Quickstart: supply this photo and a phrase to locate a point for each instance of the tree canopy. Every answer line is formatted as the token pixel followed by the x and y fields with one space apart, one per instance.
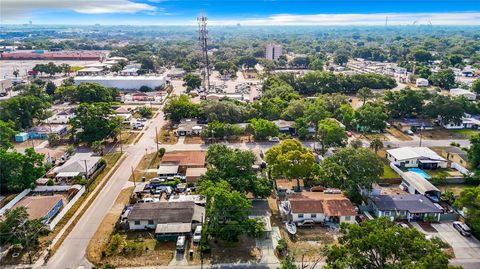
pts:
pixel 380 243
pixel 178 108
pixel 93 122
pixel 20 171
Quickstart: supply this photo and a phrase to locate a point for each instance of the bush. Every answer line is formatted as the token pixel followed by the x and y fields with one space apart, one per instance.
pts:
pixel 53 140
pixel 145 89
pixel 430 219
pixel 282 247
pixel 116 245
pixel 161 152
pixel 132 249
pixel 50 182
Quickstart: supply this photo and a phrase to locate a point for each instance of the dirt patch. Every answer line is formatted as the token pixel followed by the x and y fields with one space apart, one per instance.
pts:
pixel 100 239
pixel 194 140
pixel 399 134
pixel 166 136
pixel 373 136
pixel 427 227
pixel 241 252
pixel 129 137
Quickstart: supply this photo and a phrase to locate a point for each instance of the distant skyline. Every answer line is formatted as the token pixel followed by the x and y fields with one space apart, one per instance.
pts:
pixel 246 12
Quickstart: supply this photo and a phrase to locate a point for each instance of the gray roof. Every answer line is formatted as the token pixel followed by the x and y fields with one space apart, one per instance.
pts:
pixel 413 203
pixel 168 228
pixel 419 182
pixel 260 208
pixel 165 212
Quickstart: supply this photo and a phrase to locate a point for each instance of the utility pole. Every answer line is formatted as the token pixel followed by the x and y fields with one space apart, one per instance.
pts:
pixel 202 40
pixel 421 135
pixel 201 251
pixel 156 137
pixel 120 140
pixel 133 176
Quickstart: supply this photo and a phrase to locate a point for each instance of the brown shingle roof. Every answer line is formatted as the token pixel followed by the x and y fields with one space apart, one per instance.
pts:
pixel 319 202
pixel 306 206
pixel 185 158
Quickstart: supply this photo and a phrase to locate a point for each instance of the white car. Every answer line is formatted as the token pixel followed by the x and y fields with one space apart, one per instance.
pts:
pixel 197 235
pixel 274 139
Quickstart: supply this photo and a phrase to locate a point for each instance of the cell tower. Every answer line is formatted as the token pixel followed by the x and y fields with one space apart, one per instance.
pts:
pixel 202 39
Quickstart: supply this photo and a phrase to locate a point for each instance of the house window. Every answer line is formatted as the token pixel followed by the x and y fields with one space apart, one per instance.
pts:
pixel 150 222
pixel 313 216
pixel 347 218
pixel 300 216
pixel 137 222
pixel 386 213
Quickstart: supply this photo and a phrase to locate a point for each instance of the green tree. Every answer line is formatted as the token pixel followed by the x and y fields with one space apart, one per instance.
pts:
pixel 449 110
pixel 291 160
pixel 301 126
pixel 475 87
pixel 220 130
pixel 54 139
pixel 406 102
pixel 444 78
pixel 263 128
pixel 341 57
pixel 93 122
pixel 50 88
pixel 145 112
pixel 98 147
pixel 316 64
pixel 224 110
pixel 364 94
pixel 178 108
pixel 330 134
pixel 350 168
pixel 94 93
pixel 247 61
pixel 20 171
pixel 227 211
pixel 371 117
pixel 474 152
pixel 421 56
pixel 376 144
pixel 380 243
pixel 192 81
pixel 23 110
pixel 470 199
pixel 295 109
pixel 17 229
pixel 346 115
pixel 235 167
pixel 7 132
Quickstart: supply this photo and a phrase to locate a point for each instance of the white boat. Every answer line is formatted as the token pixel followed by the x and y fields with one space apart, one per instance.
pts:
pixel 285 207
pixel 291 227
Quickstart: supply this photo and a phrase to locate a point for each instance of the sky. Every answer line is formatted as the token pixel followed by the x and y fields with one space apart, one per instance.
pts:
pixel 244 12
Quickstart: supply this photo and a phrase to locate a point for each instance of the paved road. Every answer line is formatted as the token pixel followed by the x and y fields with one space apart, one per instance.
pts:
pixel 72 252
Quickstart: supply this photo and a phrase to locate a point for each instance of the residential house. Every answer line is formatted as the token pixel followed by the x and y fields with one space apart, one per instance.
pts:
pixel 455 155
pixel 321 207
pixel 188 127
pixel 193 174
pixel 285 126
pixel 168 219
pixel 167 170
pixel 469 95
pixel 196 198
pixel 42 131
pixel 410 207
pixel 79 164
pixel 61 117
pixel 415 183
pixel 421 82
pixel 421 157
pixel 41 207
pixel 181 161
pixel 468 122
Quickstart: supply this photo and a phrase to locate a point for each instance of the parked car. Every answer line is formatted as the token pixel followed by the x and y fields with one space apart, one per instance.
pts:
pixel 197 235
pixel 409 132
pixel 462 228
pixel 349 134
pixel 306 223
pixel 274 139
pixel 180 246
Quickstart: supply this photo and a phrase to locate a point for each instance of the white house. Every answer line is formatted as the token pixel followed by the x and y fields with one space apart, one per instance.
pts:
pixel 457 92
pixel 321 207
pixel 422 157
pixel 61 117
pixel 468 122
pixel 421 82
pixel 79 164
pixel 415 183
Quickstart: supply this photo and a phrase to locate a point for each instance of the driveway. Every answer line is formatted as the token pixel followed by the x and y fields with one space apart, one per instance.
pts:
pixel 465 248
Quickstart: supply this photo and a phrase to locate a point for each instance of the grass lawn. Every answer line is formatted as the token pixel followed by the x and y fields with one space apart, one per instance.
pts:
pixel 101 237
pixel 166 136
pixel 455 188
pixel 128 137
pixel 466 133
pixel 398 134
pixel 388 172
pixel 373 136
pixel 149 161
pixel 441 133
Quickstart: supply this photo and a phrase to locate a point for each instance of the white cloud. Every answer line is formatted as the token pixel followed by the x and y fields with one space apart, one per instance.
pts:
pixel 466 18
pixel 11 9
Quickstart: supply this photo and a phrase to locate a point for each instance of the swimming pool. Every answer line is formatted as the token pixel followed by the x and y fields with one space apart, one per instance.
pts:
pixel 420 172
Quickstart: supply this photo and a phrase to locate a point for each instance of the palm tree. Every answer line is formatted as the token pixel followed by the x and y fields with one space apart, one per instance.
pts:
pixel 376 145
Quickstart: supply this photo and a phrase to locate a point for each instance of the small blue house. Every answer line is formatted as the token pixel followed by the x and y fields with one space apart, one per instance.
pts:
pixel 42 132
pixel 21 137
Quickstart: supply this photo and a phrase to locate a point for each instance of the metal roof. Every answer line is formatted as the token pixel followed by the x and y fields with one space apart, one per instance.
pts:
pixel 413 203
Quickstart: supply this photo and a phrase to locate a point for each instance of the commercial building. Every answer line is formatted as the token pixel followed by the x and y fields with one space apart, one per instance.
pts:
pixel 124 82
pixel 55 56
pixel 273 51
pixel 41 207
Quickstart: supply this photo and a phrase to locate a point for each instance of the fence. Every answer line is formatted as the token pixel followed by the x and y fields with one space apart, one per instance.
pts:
pixel 65 209
pixel 14 201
